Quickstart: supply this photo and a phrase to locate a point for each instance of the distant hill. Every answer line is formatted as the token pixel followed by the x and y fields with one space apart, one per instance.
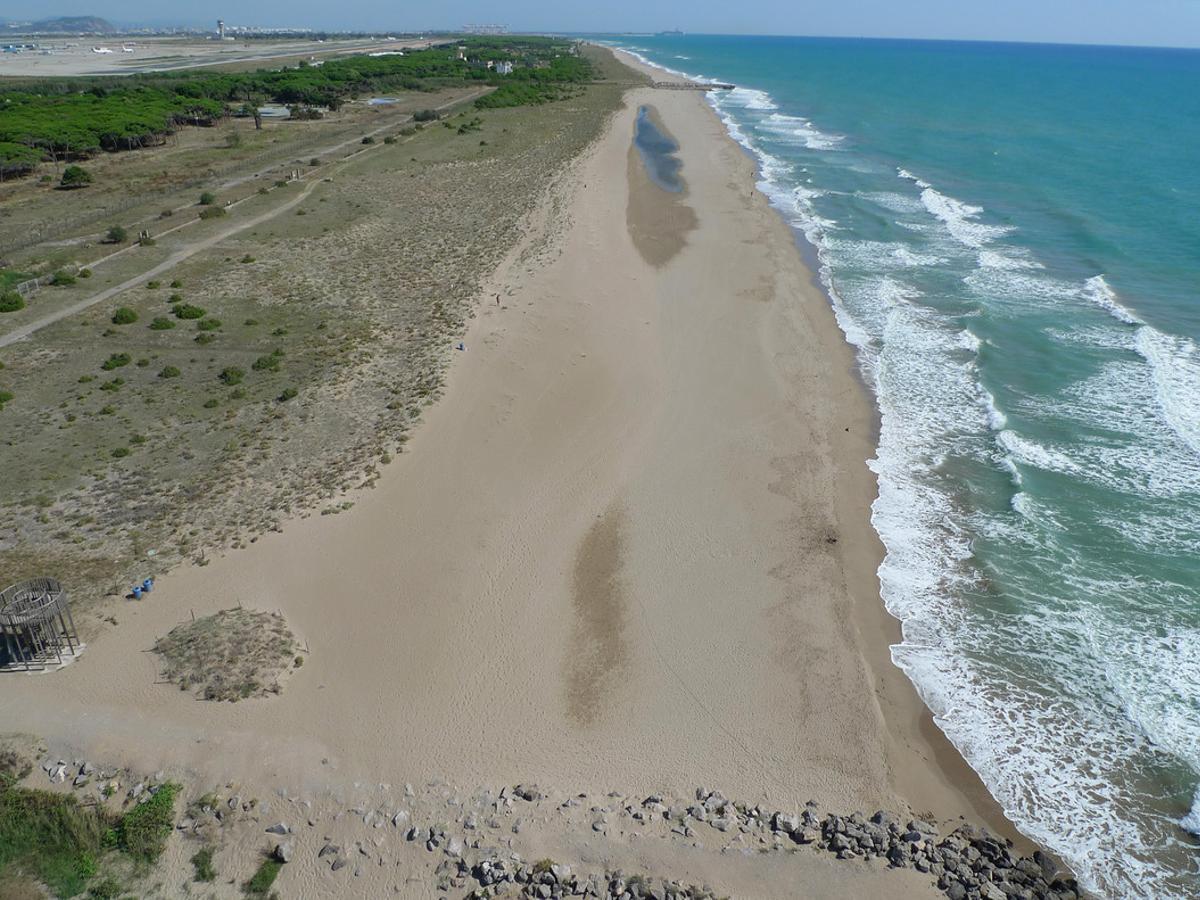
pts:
pixel 67 25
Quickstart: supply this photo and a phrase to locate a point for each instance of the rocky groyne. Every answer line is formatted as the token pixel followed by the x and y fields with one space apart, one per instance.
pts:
pixel 525 841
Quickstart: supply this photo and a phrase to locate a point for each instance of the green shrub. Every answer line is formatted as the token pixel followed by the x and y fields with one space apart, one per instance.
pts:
pixel 143 831
pixel 85 273
pixel 288 394
pixel 75 177
pixel 143 362
pixel 212 212
pixel 116 235
pixel 124 316
pixel 202 862
pixel 175 298
pixel 187 311
pixel 368 140
pixel 120 453
pixel 389 140
pixel 11 301
pixel 136 439
pixel 204 338
pixel 208 324
pixel 116 361
pixel 247 258
pixel 153 285
pixel 426 115
pixel 176 283
pixel 108 410
pixel 314 162
pixel 5 397
pixel 84 379
pixel 208 198
pixel 106 889
pixel 266 364
pixel 51 836
pixel 113 386
pixel 261 882
pixel 62 278
pixel 169 372
pixel 232 375
pixel 211 403
pixel 161 323
pixel 146 241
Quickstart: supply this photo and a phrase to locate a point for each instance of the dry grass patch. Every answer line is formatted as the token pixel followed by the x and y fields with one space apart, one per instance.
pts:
pixel 230 655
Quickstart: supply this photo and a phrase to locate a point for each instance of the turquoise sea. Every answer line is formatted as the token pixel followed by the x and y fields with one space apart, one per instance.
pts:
pixel 1010 237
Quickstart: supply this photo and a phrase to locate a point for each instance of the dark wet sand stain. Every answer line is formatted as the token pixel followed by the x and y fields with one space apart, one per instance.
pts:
pixel 658 220
pixel 598 643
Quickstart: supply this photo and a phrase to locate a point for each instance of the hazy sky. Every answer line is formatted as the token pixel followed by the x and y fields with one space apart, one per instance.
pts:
pixel 1152 22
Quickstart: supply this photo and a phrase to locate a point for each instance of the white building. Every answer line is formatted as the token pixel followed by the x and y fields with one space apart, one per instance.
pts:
pixel 504 68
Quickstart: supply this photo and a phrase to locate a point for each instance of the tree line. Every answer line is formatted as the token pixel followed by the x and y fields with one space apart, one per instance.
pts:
pixel 70 119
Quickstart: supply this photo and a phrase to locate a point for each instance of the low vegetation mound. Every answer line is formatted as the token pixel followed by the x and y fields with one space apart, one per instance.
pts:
pixel 230 655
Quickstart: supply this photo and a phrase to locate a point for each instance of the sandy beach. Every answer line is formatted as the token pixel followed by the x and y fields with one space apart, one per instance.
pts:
pixel 628 548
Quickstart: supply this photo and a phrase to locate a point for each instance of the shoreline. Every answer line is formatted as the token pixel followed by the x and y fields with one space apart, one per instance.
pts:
pixel 907 715
pixel 627 549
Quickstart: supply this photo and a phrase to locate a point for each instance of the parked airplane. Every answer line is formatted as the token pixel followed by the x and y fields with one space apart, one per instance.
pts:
pixel 101 50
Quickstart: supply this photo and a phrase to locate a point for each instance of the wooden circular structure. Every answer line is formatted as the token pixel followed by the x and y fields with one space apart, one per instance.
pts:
pixel 37 627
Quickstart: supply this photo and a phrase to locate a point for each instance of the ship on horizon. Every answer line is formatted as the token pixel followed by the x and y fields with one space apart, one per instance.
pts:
pixel 674 32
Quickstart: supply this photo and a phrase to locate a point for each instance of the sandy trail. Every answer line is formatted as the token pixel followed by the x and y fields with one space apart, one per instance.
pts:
pixel 629 547
pixel 191 248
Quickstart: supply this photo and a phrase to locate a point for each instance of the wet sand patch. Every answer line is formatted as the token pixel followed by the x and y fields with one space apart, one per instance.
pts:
pixel 598 648
pixel 658 216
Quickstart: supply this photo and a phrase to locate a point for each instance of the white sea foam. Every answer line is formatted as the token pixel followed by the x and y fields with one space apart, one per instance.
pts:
pixel 961 219
pixel 997 420
pixel 909 176
pixel 1175 367
pixel 1099 292
pixel 894 201
pixel 638 54
pixel 749 98
pixel 1010 258
pixel 1191 822
pixel 794 129
pixel 1047 744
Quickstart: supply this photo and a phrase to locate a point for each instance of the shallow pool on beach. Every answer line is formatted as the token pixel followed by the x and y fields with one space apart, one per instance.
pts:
pixel 658 152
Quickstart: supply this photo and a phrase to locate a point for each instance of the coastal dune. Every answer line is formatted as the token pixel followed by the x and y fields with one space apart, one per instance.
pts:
pixel 629 547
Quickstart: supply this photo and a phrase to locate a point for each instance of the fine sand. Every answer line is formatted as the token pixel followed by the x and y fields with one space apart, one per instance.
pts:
pixel 629 547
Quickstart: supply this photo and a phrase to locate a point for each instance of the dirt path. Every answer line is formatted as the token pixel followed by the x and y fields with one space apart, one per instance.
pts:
pixel 187 250
pixel 191 249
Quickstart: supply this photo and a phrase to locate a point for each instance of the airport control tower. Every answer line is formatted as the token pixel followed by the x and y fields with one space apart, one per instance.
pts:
pixel 221 29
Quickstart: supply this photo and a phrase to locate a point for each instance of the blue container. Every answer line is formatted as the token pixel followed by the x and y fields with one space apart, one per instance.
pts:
pixel 148 585
pixel 137 593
